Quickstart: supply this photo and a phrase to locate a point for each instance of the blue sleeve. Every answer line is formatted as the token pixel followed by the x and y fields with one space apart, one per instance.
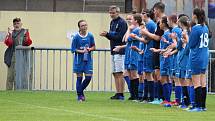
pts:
pixel 135 31
pixel 74 44
pixel 118 35
pixel 169 39
pixel 152 28
pixel 193 39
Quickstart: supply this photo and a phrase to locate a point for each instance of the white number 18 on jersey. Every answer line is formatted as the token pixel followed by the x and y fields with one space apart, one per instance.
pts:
pixel 204 40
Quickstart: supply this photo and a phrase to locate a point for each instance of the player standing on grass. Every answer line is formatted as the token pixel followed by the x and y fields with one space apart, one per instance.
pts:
pixel 131 54
pixel 184 60
pixel 176 33
pixel 147 16
pixel 158 9
pixel 141 62
pixel 198 43
pixel 141 74
pixel 164 62
pixel 82 45
pixel 118 48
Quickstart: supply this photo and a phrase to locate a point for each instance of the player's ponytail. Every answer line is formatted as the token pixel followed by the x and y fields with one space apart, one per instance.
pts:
pixel 200 14
pixel 184 20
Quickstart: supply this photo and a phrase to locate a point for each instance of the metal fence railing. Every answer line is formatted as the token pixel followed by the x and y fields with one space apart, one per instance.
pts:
pixel 211 72
pixel 49 68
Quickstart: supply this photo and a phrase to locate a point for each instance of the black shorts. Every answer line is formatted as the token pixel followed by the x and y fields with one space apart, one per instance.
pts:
pixel 156 61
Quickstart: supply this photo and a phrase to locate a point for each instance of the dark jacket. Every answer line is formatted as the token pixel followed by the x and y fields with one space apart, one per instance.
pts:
pixel 118 28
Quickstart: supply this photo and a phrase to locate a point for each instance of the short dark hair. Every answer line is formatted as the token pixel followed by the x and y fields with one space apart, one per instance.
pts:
pixel 160 6
pixel 16 20
pixel 200 14
pixel 80 22
pixel 138 18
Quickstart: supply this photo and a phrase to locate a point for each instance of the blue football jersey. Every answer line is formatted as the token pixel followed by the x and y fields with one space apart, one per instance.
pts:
pixel 80 43
pixel 165 62
pixel 198 43
pixel 151 26
pixel 173 58
pixel 131 56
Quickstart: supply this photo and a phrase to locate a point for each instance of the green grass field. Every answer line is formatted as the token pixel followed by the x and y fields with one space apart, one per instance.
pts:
pixel 62 106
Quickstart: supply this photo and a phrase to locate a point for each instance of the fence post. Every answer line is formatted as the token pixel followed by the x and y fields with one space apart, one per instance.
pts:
pixel 24 67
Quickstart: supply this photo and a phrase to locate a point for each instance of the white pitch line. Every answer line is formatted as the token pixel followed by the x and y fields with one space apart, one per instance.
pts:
pixel 70 111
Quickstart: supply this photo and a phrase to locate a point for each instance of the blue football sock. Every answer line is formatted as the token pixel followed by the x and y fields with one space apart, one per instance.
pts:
pixel 182 97
pixel 146 88
pixel 156 86
pixel 166 92
pixel 160 91
pixel 78 86
pixel 178 91
pixel 151 90
pixel 170 90
pixel 192 95
pixel 140 90
pixel 85 82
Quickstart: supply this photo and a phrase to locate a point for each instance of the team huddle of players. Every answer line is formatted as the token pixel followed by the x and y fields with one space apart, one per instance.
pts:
pixel 159 50
pixel 163 49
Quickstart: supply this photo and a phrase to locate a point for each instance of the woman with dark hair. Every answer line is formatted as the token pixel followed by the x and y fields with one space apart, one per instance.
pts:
pixel 176 36
pixel 182 59
pixel 198 43
pixel 150 83
pixel 164 62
